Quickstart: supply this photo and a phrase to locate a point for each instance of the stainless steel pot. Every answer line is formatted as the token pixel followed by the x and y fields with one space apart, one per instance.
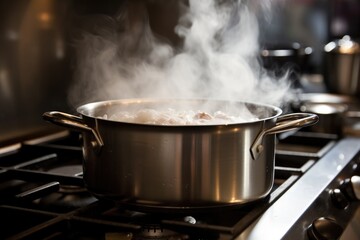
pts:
pixel 291 59
pixel 337 113
pixel 179 166
pixel 331 117
pixel 279 56
pixel 342 66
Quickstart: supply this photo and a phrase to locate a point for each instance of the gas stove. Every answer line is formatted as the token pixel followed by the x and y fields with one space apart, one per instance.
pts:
pixel 43 196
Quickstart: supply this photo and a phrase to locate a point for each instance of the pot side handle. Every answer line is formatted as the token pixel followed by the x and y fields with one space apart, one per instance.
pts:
pixel 284 123
pixel 75 123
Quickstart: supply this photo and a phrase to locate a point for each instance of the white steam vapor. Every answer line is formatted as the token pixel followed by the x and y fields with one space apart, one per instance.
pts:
pixel 219 59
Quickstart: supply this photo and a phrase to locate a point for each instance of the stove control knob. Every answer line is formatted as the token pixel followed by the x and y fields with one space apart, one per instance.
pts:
pixel 339 199
pixel 325 229
pixel 351 187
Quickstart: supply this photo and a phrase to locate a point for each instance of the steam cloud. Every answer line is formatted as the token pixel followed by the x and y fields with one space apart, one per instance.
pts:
pixel 219 59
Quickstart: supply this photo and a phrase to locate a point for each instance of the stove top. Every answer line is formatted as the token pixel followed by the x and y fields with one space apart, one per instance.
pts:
pixel 43 195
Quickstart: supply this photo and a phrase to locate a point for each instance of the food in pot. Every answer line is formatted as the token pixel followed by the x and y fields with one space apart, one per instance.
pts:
pixel 173 117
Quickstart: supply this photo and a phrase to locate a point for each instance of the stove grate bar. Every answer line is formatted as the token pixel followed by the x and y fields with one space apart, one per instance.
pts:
pixel 36 161
pixel 38 192
pixel 106 223
pixel 29 210
pixel 244 221
pixel 29 175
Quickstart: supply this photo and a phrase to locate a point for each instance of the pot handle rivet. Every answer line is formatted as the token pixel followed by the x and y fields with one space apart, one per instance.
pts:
pixel 259 148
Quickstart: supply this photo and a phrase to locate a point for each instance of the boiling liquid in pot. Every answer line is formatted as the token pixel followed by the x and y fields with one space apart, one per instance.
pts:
pixel 173 117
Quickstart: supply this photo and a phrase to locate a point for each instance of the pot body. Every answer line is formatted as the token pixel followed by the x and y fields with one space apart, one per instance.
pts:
pixel 343 74
pixel 337 113
pixel 342 70
pixel 331 117
pixel 180 166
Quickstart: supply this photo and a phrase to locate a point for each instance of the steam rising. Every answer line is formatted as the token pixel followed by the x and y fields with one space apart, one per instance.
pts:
pixel 219 58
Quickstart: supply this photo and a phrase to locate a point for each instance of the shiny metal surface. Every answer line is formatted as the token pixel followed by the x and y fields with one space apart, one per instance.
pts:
pixel 330 117
pixel 284 123
pixel 327 98
pixel 338 114
pixel 179 165
pixel 342 59
pixel 355 181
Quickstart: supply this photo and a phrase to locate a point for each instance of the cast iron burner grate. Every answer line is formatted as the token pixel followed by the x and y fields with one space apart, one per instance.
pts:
pixel 43 196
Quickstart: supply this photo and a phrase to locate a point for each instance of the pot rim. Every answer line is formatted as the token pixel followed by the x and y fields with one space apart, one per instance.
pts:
pixel 87 110
pixel 343 46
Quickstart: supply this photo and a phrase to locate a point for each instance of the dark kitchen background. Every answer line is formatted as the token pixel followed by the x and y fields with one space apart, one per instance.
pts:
pixel 38 46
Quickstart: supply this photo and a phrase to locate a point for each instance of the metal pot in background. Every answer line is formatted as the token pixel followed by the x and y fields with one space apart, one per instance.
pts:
pixel 286 58
pixel 342 66
pixel 338 114
pixel 330 116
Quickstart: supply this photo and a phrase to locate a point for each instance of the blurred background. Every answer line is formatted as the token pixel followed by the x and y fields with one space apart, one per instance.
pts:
pixel 38 46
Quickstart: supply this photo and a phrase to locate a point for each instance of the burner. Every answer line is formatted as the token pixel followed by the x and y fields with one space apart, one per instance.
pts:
pixel 67 198
pixel 67 189
pixel 156 231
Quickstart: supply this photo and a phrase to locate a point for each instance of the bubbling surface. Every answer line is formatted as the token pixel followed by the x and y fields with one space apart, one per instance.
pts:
pixel 174 117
